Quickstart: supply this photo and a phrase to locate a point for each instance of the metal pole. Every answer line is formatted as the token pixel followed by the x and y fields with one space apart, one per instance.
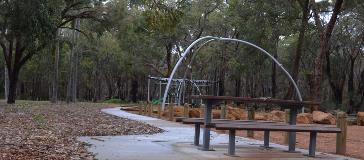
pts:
pixel 231 149
pixel 312 145
pixel 197 135
pixel 217 88
pixel 160 90
pixel 266 139
pixel 148 90
pixel 207 121
pixel 189 66
pixel 177 65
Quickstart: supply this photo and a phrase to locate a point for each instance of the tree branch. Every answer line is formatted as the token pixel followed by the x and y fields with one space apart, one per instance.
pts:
pixel 78 30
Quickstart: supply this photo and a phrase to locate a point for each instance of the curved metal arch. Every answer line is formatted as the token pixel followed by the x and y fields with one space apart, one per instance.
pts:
pixel 189 66
pixel 187 51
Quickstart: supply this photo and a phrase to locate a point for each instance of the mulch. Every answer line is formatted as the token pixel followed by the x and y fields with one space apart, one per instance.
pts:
pixel 40 130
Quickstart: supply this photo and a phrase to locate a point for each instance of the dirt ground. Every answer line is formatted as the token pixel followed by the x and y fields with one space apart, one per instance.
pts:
pixel 40 130
pixel 326 142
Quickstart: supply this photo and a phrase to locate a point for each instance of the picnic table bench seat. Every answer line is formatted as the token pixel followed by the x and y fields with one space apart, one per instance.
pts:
pixel 200 121
pixel 266 127
pixel 232 126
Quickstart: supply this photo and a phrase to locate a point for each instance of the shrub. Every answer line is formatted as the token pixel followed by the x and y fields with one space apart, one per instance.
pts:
pixel 115 101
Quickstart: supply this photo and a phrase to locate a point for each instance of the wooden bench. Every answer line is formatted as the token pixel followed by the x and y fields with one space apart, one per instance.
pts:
pixel 313 129
pixel 210 101
pixel 179 119
pixel 199 121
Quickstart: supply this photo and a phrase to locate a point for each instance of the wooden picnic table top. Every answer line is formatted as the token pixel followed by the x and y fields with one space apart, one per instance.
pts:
pixel 263 127
pixel 255 100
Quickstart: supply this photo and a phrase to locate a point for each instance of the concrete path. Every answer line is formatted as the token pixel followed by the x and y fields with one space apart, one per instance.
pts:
pixel 176 143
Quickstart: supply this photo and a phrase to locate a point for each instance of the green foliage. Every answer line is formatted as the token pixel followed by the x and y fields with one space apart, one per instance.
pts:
pixel 115 101
pixel 137 38
pixel 156 101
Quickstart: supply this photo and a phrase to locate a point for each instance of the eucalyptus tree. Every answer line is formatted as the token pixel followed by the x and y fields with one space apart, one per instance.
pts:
pixel 345 52
pixel 305 9
pixel 325 33
pixel 27 27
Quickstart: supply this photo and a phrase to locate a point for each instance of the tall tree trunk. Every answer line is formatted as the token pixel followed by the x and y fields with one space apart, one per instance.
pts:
pixel 13 79
pixel 95 81
pixel 325 35
pixel 237 86
pixel 360 92
pixel 70 79
pixel 119 86
pixel 13 65
pixel 351 86
pixel 6 82
pixel 275 38
pixel 169 48
pixel 76 56
pixel 134 89
pixel 336 84
pixel 301 37
pixel 72 86
pixel 110 86
pixel 56 72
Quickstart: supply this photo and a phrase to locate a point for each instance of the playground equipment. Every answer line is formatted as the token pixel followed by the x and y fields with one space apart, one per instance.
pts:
pixel 209 39
pixel 179 85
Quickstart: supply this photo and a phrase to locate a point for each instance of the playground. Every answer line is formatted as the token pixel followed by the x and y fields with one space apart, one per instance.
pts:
pixel 326 143
pixel 181 79
pixel 58 131
pixel 238 113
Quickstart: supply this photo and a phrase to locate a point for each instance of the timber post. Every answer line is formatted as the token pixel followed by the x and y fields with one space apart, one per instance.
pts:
pixel 223 111
pixel 286 120
pixel 140 106
pixel 185 110
pixel 159 111
pixel 341 137
pixel 251 116
pixel 170 112
pixel 150 109
pixel 202 109
pixel 144 108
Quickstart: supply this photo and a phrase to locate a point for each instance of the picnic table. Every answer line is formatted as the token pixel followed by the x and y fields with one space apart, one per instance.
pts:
pixel 210 101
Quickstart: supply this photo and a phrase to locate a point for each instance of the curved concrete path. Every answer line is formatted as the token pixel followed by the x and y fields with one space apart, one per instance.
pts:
pixel 176 143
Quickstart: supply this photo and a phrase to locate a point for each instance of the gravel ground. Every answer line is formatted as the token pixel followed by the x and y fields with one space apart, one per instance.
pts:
pixel 40 130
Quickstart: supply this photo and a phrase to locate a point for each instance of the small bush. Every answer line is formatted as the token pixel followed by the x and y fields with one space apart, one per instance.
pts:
pixel 156 101
pixel 115 101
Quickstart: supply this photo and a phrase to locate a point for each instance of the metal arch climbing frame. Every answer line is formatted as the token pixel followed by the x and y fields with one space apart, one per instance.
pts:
pixel 210 38
pixel 189 66
pixel 177 82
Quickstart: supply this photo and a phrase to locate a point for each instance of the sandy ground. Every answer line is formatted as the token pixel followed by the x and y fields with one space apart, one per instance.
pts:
pixel 326 142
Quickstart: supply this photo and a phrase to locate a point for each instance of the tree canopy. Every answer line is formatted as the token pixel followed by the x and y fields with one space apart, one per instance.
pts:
pixel 92 50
